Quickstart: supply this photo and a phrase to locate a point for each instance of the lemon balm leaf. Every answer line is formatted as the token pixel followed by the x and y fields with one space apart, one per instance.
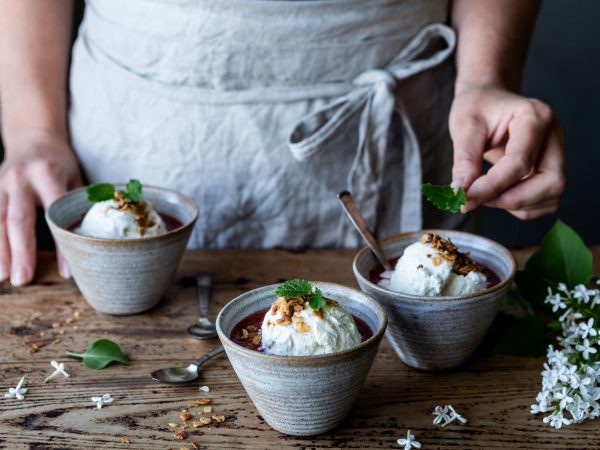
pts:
pixel 294 288
pixel 317 301
pixel 100 192
pixel 134 190
pixel 444 196
pixel 101 353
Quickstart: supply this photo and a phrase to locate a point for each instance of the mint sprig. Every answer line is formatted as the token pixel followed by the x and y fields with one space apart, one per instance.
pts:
pixel 134 191
pixel 100 192
pixel 302 288
pixel 444 197
pixel 100 354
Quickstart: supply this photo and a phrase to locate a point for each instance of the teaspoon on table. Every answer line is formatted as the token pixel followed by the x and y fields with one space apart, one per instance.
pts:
pixel 185 374
pixel 360 224
pixel 203 328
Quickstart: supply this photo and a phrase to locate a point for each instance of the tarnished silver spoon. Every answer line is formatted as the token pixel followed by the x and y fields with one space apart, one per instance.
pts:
pixel 359 222
pixel 185 374
pixel 203 328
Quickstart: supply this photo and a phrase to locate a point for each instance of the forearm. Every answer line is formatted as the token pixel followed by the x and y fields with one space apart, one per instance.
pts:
pixel 34 50
pixel 493 38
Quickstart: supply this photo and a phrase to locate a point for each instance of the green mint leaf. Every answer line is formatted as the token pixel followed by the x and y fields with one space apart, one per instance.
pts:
pixel 562 257
pixel 444 197
pixel 317 301
pixel 101 353
pixel 100 192
pixel 134 191
pixel 294 288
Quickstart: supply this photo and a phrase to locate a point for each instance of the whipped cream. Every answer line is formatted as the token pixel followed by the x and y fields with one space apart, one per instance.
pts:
pixel 107 220
pixel 293 328
pixel 434 267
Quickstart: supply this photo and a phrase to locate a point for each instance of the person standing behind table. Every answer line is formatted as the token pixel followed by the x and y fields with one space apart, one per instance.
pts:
pixel 263 110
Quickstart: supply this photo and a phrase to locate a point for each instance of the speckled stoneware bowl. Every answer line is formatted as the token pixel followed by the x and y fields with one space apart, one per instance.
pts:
pixel 122 276
pixel 303 395
pixel 433 333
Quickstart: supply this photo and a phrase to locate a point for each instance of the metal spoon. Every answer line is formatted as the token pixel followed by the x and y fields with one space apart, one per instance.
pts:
pixel 359 222
pixel 204 328
pixel 185 374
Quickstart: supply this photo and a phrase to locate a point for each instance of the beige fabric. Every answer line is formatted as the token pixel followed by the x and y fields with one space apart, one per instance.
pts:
pixel 223 99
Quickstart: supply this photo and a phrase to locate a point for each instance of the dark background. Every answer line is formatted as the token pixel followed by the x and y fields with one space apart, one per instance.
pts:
pixel 563 70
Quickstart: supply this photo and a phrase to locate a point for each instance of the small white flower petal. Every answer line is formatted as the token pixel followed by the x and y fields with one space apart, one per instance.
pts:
pixel 204 389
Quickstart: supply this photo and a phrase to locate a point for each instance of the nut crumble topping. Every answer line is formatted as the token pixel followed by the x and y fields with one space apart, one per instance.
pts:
pixel 462 264
pixel 139 209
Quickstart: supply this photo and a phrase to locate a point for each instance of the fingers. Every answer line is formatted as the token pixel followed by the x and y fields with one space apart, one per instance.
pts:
pixel 468 139
pixel 20 224
pixel 527 132
pixel 540 193
pixel 4 246
pixel 49 187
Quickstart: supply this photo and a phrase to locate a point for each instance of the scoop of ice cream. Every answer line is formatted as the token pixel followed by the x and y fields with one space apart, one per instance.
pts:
pixel 435 267
pixel 109 220
pixel 292 328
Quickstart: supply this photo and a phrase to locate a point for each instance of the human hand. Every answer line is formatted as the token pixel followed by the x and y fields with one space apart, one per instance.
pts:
pixel 522 140
pixel 37 169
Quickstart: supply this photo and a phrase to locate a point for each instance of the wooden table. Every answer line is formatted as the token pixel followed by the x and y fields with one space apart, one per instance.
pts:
pixel 494 392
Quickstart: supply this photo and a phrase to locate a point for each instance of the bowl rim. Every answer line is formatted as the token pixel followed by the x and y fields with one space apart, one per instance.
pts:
pixel 372 303
pixel 440 298
pixel 132 241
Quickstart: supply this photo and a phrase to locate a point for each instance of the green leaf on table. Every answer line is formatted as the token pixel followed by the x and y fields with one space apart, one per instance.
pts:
pixel 562 257
pixel 317 301
pixel 524 337
pixel 294 288
pixel 134 190
pixel 101 353
pixel 444 196
pixel 100 192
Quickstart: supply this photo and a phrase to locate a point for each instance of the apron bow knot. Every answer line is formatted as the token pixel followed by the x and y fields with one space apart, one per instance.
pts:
pixel 374 97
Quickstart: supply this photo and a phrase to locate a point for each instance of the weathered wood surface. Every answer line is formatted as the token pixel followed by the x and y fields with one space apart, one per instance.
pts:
pixel 494 392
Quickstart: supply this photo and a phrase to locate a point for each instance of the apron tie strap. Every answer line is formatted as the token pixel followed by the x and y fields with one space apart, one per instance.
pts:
pixel 374 97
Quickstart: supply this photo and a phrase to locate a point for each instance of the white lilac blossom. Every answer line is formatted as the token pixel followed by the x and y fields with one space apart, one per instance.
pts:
pixel 571 376
pixel 19 391
pixel 447 415
pixel 101 401
pixel 58 368
pixel 409 442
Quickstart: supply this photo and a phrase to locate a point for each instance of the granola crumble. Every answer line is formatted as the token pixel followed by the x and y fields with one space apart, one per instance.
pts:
pixel 445 249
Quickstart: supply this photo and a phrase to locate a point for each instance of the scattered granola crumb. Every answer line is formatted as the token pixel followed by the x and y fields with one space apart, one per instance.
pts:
pixel 180 435
pixel 208 409
pixel 173 424
pixel 185 416
pixel 56 341
pixel 125 440
pixel 218 419
pixel 203 401
pixel 201 422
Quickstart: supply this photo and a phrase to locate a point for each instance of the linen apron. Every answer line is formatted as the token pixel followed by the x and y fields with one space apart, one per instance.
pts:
pixel 263 111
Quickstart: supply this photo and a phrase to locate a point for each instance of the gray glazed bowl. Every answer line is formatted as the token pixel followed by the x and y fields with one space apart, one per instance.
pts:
pixel 122 276
pixel 303 395
pixel 434 333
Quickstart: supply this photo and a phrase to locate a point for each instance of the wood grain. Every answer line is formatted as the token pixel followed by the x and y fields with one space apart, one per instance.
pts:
pixel 494 392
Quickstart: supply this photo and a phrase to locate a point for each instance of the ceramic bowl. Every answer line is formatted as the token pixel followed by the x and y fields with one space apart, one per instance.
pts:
pixel 433 333
pixel 122 276
pixel 303 395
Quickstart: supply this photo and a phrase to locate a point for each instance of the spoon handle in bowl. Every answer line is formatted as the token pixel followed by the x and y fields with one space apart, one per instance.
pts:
pixel 360 224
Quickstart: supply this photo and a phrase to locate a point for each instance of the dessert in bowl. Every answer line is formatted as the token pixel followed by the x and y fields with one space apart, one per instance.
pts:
pixel 122 244
pixel 302 359
pixel 442 296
